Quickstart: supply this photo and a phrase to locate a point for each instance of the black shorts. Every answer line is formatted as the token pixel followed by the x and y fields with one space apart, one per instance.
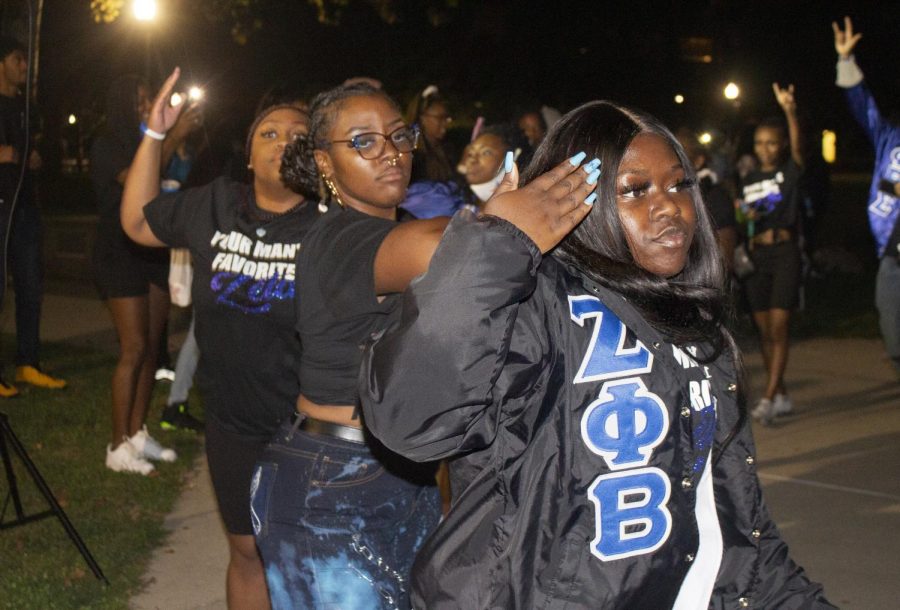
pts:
pixel 776 282
pixel 232 459
pixel 124 269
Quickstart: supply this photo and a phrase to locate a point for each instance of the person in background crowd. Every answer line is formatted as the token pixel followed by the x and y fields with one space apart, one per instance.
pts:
pixel 533 126
pixel 243 239
pixel 716 197
pixel 771 202
pixel 483 161
pixel 434 188
pixel 884 193
pixel 25 233
pixel 132 279
pixel 587 395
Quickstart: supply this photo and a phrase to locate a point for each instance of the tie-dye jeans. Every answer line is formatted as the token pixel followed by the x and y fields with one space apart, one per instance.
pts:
pixel 339 523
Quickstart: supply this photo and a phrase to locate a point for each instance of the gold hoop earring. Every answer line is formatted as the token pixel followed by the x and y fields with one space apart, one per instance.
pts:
pixel 334 192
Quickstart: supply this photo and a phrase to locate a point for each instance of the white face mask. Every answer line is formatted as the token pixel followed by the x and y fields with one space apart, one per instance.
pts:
pixel 485 190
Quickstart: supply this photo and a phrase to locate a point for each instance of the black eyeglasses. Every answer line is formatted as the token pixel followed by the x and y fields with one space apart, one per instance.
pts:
pixel 371 145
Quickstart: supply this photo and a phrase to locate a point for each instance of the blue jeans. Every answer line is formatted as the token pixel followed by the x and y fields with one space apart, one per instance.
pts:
pixel 338 524
pixel 887 300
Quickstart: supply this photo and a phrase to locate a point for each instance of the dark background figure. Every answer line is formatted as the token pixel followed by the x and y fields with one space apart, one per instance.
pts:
pixel 771 201
pixel 884 192
pixel 25 235
pixel 716 196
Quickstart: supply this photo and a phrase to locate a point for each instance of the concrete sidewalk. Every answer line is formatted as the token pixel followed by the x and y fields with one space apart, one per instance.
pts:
pixel 831 472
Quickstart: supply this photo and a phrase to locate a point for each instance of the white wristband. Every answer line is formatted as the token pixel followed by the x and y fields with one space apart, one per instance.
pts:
pixel 154 134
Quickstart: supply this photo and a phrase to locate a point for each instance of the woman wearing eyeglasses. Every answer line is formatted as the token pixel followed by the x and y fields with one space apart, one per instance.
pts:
pixel 338 518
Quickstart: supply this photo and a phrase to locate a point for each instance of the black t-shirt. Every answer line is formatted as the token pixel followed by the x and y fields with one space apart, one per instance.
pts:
pixel 109 156
pixel 243 294
pixel 775 195
pixel 719 204
pixel 336 302
pixel 12 133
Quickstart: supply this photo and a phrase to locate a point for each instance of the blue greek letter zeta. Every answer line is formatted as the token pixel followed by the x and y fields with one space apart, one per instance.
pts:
pixel 625 423
pixel 631 513
pixel 606 356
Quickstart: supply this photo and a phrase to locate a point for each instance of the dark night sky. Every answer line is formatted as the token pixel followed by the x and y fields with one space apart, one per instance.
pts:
pixel 499 53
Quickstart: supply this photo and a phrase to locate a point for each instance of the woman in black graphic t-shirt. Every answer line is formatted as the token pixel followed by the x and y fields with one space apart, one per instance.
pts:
pixel 771 200
pixel 243 240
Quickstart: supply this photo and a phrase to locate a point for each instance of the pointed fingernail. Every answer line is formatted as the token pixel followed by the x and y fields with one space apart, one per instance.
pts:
pixel 594 175
pixel 508 162
pixel 590 199
pixel 589 167
pixel 577 159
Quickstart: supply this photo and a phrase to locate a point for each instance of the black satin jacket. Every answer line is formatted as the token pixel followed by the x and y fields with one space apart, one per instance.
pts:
pixel 520 370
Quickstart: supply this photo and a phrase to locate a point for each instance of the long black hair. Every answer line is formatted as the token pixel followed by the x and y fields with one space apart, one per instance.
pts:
pixel 689 307
pixel 298 165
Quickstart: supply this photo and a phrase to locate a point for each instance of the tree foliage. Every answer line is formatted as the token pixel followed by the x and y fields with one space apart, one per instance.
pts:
pixel 248 16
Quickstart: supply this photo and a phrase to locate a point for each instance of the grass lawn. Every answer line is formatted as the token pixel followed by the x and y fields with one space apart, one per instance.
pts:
pixel 119 516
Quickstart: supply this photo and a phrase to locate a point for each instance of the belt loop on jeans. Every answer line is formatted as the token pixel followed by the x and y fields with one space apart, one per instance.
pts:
pixel 298 418
pixel 327 428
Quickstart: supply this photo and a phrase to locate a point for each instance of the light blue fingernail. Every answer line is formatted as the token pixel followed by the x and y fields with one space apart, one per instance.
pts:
pixel 590 199
pixel 589 167
pixel 577 159
pixel 508 162
pixel 592 178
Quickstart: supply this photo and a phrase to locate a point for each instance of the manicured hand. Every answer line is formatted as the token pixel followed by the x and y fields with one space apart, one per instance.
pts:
pixel 785 98
pixel 552 205
pixel 845 40
pixel 163 115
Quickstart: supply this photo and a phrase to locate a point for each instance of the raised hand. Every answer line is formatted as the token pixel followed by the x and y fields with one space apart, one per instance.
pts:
pixel 785 98
pixel 550 206
pixel 163 114
pixel 845 40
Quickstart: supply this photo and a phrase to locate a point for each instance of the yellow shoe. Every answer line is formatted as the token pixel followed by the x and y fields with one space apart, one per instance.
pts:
pixel 8 390
pixel 36 377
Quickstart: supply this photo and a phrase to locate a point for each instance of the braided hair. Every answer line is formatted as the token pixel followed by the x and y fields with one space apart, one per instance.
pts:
pixel 298 165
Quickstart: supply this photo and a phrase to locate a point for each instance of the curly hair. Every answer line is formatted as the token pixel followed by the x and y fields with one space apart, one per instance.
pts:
pixel 298 165
pixel 688 307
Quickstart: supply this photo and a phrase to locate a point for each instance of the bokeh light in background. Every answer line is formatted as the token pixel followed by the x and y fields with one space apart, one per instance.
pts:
pixel 731 91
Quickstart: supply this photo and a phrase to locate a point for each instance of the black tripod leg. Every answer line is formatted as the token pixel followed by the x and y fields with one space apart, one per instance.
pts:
pixel 17 446
pixel 10 477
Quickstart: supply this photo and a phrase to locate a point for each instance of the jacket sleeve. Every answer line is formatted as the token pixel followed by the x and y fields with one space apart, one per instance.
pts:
pixel 862 103
pixel 427 385
pixel 756 565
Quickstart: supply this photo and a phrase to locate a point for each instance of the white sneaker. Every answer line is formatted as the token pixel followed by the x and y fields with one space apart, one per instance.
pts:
pixel 126 459
pixel 147 447
pixel 782 405
pixel 764 411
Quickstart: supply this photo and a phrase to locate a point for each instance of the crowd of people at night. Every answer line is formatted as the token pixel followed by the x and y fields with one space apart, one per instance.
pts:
pixel 501 376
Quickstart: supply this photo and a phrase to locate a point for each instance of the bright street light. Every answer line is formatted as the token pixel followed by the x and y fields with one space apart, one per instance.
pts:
pixel 731 91
pixel 144 10
pixel 72 119
pixel 196 93
pixel 705 138
pixel 679 99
